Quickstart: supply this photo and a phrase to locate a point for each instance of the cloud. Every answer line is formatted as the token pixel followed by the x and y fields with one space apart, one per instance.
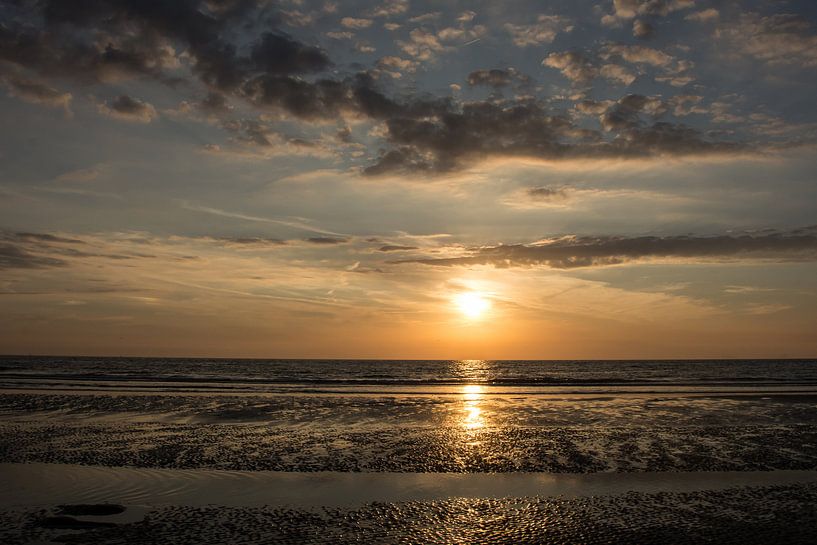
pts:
pixel 683 105
pixel 782 39
pixel 543 31
pixel 624 114
pixel 610 62
pixel 247 217
pixel 342 35
pixel 395 66
pixel 110 40
pixel 593 107
pixel 131 38
pixel 637 54
pixel 42 238
pixel 574 65
pixel 26 250
pixel 396 248
pixel 127 108
pixel 286 78
pixel 461 34
pixel 357 24
pixel 547 194
pixel 571 252
pixel 321 99
pixel 704 16
pixel 426 17
pixel 642 29
pixel 253 139
pixel 213 105
pixel 81 175
pixel 617 73
pixel 422 45
pixel 279 54
pixel 249 242
pixel 390 8
pixel 627 9
pixel 495 77
pixel 327 240
pixel 437 137
pixel 14 257
pixel 37 93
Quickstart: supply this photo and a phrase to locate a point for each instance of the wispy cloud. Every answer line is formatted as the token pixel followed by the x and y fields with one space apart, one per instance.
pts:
pixel 246 217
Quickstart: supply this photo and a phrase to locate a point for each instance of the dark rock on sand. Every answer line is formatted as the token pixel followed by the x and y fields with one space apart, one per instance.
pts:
pixel 97 510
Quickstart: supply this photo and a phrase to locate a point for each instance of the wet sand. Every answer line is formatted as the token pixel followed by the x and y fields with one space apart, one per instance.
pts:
pixel 472 431
pixel 740 516
pixel 471 464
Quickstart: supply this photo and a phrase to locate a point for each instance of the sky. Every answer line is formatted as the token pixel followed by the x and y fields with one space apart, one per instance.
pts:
pixel 407 179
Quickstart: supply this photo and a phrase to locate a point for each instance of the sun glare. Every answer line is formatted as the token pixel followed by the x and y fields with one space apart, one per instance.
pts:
pixel 472 304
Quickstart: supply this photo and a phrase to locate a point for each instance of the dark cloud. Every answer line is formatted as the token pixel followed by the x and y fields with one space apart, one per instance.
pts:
pixel 37 92
pixel 625 113
pixel 574 251
pixel 214 103
pixel 480 128
pixel 321 99
pixel 547 194
pixel 14 257
pixel 101 40
pixel 327 240
pixel 30 250
pixel 403 159
pixel 279 54
pixel 642 29
pixel 495 77
pixel 41 250
pixel 44 237
pixel 249 131
pixel 396 248
pixel 477 130
pixel 129 109
pixel 254 133
pixel 344 135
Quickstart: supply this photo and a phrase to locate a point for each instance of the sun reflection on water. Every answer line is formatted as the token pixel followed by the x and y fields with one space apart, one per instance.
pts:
pixel 472 415
pixel 472 396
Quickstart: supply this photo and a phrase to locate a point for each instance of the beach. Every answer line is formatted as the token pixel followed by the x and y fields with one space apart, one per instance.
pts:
pixel 422 453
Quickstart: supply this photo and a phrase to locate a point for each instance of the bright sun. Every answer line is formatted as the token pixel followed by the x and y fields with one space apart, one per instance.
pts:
pixel 472 304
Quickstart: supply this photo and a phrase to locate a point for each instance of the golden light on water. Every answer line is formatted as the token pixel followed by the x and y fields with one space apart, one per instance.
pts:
pixel 472 396
pixel 472 304
pixel 472 392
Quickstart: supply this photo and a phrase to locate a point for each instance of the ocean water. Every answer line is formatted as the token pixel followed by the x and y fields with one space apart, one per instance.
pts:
pixel 274 375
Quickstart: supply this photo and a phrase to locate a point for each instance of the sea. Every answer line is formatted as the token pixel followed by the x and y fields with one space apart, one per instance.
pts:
pixel 316 375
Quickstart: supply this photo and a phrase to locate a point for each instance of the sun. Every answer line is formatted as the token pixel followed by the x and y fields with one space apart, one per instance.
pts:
pixel 472 304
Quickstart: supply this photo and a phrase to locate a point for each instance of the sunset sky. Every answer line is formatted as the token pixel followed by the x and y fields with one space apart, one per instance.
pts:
pixel 407 179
